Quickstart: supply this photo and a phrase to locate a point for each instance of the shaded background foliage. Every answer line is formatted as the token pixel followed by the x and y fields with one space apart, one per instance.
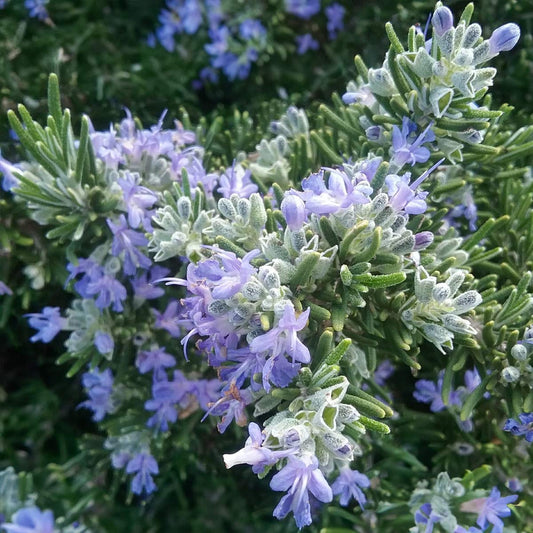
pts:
pixel 98 49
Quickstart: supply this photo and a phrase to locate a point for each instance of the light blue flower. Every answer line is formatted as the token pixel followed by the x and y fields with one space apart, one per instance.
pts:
pixel 30 520
pixel 299 477
pixel 348 485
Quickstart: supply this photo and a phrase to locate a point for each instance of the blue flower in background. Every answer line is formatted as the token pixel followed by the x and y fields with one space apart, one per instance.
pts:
pixel 304 9
pixel 252 29
pixel 143 464
pixel 127 240
pixel 99 387
pixel 335 15
pixel 431 393
pixel 36 8
pixel 236 180
pixel 522 427
pixel 155 359
pixel 490 509
pixel 348 485
pixel 30 520
pixel 306 42
pixel 190 14
pixel 49 323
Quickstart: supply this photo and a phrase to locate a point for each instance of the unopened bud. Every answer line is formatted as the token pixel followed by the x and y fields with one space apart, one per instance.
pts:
pixel 442 20
pixel 510 374
pixel 504 38
pixel 293 209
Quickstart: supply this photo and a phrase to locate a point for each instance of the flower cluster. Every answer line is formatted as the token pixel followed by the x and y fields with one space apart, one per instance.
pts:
pixel 234 43
pixel 429 392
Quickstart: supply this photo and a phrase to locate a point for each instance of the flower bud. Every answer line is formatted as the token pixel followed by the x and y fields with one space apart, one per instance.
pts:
pixel 374 133
pixel 519 352
pixel 504 38
pixel 293 209
pixel 442 20
pixel 510 374
pixel 423 240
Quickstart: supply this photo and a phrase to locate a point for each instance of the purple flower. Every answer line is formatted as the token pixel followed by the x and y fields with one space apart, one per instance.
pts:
pixel 490 509
pixel 504 38
pixel 406 147
pixel 340 193
pixel 219 45
pixel 252 29
pixel 137 199
pixel 430 392
pixel 241 364
pixel 99 387
pixel 166 395
pixel 237 66
pixel 236 180
pixel 253 452
pixel 154 360
pixel 126 240
pixel 467 209
pixel 109 291
pixel 304 9
pixel 90 270
pixel 403 197
pixel 49 323
pixel 523 427
pixel 190 15
pixel 144 465
pixel 335 15
pixel 232 406
pixel 383 372
pixel 425 516
pixel 168 319
pixel 36 8
pixel 206 392
pixel 281 341
pixel 299 477
pixel 348 486
pixel 143 285
pixel 306 42
pixel 30 520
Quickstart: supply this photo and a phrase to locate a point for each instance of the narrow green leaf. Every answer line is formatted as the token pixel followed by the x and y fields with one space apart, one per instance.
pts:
pixel 364 406
pixel 393 38
pixel 54 100
pixel 332 157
